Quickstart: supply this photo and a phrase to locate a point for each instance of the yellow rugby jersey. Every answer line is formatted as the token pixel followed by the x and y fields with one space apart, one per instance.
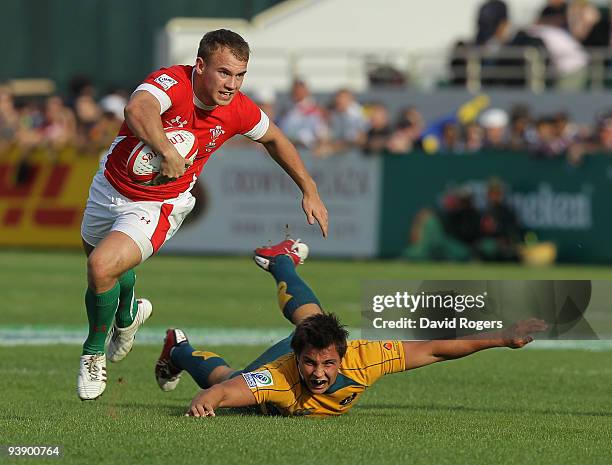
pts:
pixel 278 388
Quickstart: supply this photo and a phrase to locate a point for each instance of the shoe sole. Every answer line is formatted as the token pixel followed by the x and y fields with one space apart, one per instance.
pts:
pixel 93 398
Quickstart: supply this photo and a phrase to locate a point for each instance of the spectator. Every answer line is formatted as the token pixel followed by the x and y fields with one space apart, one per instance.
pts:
pixel 379 132
pixel 588 25
pixel 87 114
pixel 547 143
pixel 102 134
pixel 448 233
pixel 460 217
pixel 503 62
pixel 451 139
pixel 565 131
pixel 560 10
pixel 114 102
pixel 492 24
pixel 604 135
pixel 347 120
pixel 495 124
pixel 347 125
pixel 598 141
pixel 474 138
pixel 521 130
pixel 303 122
pixel 79 84
pixel 31 120
pixel 9 118
pixel 402 139
pixel 429 241
pixel 408 131
pixel 568 58
pixel 59 127
pixel 500 231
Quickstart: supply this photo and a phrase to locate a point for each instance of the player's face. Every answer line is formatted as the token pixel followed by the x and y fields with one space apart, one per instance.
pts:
pixel 319 368
pixel 217 80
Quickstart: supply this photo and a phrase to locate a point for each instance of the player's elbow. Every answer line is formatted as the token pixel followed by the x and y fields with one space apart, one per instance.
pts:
pixel 133 110
pixel 139 107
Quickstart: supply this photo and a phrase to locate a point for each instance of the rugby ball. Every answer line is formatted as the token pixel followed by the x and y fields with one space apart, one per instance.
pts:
pixel 143 164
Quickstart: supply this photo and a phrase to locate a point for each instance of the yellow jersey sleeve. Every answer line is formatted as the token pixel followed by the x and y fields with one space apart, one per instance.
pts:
pixel 275 382
pixel 367 361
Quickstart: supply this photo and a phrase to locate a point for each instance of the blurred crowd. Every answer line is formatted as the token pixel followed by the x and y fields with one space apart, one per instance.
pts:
pixel 332 128
pixel 345 124
pixel 566 33
pixel 81 120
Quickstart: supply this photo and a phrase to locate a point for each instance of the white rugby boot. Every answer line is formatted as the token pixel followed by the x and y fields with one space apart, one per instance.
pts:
pixel 91 381
pixel 122 339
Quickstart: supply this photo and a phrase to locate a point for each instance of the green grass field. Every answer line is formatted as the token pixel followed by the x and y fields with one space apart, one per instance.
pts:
pixel 505 407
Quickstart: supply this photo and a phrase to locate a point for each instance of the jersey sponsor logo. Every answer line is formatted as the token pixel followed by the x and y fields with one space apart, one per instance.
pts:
pixel 258 379
pixel 165 81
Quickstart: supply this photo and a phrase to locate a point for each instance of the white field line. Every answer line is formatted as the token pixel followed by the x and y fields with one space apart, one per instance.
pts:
pixel 48 335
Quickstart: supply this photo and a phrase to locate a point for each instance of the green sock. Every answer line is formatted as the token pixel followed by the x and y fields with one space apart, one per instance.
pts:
pixel 126 312
pixel 101 310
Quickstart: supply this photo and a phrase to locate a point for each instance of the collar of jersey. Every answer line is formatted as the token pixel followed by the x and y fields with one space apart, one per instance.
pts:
pixel 341 382
pixel 196 101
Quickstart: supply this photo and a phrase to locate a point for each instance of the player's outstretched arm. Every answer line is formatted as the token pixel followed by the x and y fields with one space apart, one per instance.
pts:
pixel 286 155
pixel 231 393
pixel 424 353
pixel 142 116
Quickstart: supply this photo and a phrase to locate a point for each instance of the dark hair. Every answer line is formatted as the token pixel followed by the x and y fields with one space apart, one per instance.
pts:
pixel 320 331
pixel 214 40
pixel 490 15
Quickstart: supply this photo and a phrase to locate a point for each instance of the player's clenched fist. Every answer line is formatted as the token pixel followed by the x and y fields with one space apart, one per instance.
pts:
pixel 172 166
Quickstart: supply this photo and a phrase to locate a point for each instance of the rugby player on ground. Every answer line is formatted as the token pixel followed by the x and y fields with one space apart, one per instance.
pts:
pixel 315 371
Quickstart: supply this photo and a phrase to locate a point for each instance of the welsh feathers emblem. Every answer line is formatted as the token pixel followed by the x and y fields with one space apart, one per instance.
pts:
pixel 215 133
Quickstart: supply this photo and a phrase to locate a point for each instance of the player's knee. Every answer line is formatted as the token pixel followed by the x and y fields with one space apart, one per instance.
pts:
pixel 303 312
pixel 100 270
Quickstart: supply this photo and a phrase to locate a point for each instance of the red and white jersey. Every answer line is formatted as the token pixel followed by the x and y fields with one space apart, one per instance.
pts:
pixel 182 109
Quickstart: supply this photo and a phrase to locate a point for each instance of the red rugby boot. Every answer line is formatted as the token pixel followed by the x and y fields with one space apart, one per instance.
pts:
pixel 167 375
pixel 296 250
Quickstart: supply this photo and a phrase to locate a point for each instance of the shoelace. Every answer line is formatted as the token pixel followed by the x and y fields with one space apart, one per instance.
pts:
pixel 293 248
pixel 166 371
pixel 93 369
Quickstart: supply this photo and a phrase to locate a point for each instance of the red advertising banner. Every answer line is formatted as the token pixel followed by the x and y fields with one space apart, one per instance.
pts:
pixel 42 199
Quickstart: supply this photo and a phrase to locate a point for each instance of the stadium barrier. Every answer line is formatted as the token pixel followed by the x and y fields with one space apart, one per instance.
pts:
pixel 245 200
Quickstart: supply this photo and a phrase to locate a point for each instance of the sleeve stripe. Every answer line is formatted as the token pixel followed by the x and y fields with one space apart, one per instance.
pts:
pixel 260 128
pixel 160 95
